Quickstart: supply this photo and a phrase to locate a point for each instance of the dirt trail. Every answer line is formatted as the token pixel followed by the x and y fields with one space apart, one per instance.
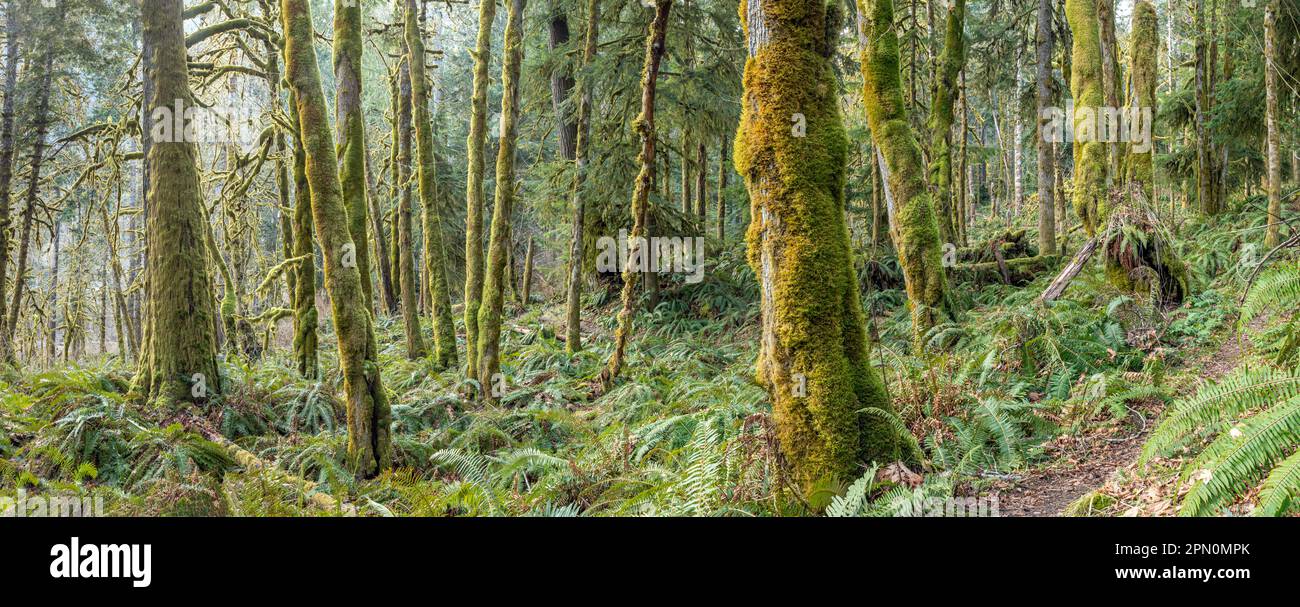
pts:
pixel 1080 464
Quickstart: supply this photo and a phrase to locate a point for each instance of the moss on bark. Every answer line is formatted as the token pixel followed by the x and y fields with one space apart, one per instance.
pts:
pixel 407 277
pixel 435 257
pixel 911 217
pixel 182 352
pixel 351 125
pixel 951 61
pixel 1090 163
pixel 474 184
pixel 495 279
pixel 814 357
pixel 369 418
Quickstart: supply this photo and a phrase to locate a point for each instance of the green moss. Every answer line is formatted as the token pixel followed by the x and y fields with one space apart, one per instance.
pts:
pixel 951 61
pixel 435 261
pixel 352 133
pixel 912 223
pixel 368 415
pixel 489 313
pixel 474 185
pixel 1143 46
pixel 814 359
pixel 1090 164
pixel 180 312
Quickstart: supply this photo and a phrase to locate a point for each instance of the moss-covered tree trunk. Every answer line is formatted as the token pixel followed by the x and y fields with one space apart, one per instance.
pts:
pixel 182 363
pixel 495 279
pixel 1143 50
pixel 407 277
pixel 351 125
pixel 573 292
pixel 1274 236
pixel 1205 189
pixel 7 164
pixel 951 61
pixel 1110 80
pixel 723 169
pixel 435 256
pixel 814 355
pixel 474 160
pixel 368 413
pixel 1090 161
pixel 1046 164
pixel 644 126
pixel 305 316
pixel 912 222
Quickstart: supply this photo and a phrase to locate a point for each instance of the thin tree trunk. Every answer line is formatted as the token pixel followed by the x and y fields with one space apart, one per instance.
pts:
pixel 7 164
pixel 1271 120
pixel 1046 164
pixel 951 62
pixel 912 222
pixel 410 282
pixel 573 295
pixel 368 414
pixel 351 125
pixel 645 128
pixel 724 156
pixel 474 185
pixel 494 283
pixel 435 257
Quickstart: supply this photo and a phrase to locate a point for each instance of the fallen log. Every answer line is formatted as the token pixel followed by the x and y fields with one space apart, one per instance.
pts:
pixel 1063 279
pixel 1008 271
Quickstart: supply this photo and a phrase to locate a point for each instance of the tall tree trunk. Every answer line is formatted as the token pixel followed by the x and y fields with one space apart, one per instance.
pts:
pixel 368 413
pixel 645 128
pixel 388 299
pixel 410 282
pixel 351 125
pixel 1110 78
pixel 182 359
pixel 951 62
pixel 7 164
pixel 561 83
pixel 723 156
pixel 814 356
pixel 41 125
pixel 474 185
pixel 435 256
pixel 964 204
pixel 494 284
pixel 1271 119
pixel 1090 159
pixel 305 316
pixel 912 223
pixel 1204 163
pixel 701 184
pixel 1143 65
pixel 573 294
pixel 526 289
pixel 1046 164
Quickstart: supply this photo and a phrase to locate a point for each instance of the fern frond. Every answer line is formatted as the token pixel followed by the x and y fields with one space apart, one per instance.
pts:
pixel 1280 488
pixel 1238 456
pixel 1242 390
pixel 1277 289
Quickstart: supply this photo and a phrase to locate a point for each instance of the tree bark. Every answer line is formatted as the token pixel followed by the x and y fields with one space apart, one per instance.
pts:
pixel 474 185
pixel 7 165
pixel 495 279
pixel 410 282
pixel 435 257
pixel 814 355
pixel 368 414
pixel 573 294
pixel 1046 162
pixel 351 125
pixel 1274 135
pixel 951 62
pixel 181 365
pixel 912 223
pixel 645 128
pixel 1090 157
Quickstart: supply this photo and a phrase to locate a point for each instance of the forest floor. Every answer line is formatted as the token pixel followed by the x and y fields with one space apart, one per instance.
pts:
pixel 1104 460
